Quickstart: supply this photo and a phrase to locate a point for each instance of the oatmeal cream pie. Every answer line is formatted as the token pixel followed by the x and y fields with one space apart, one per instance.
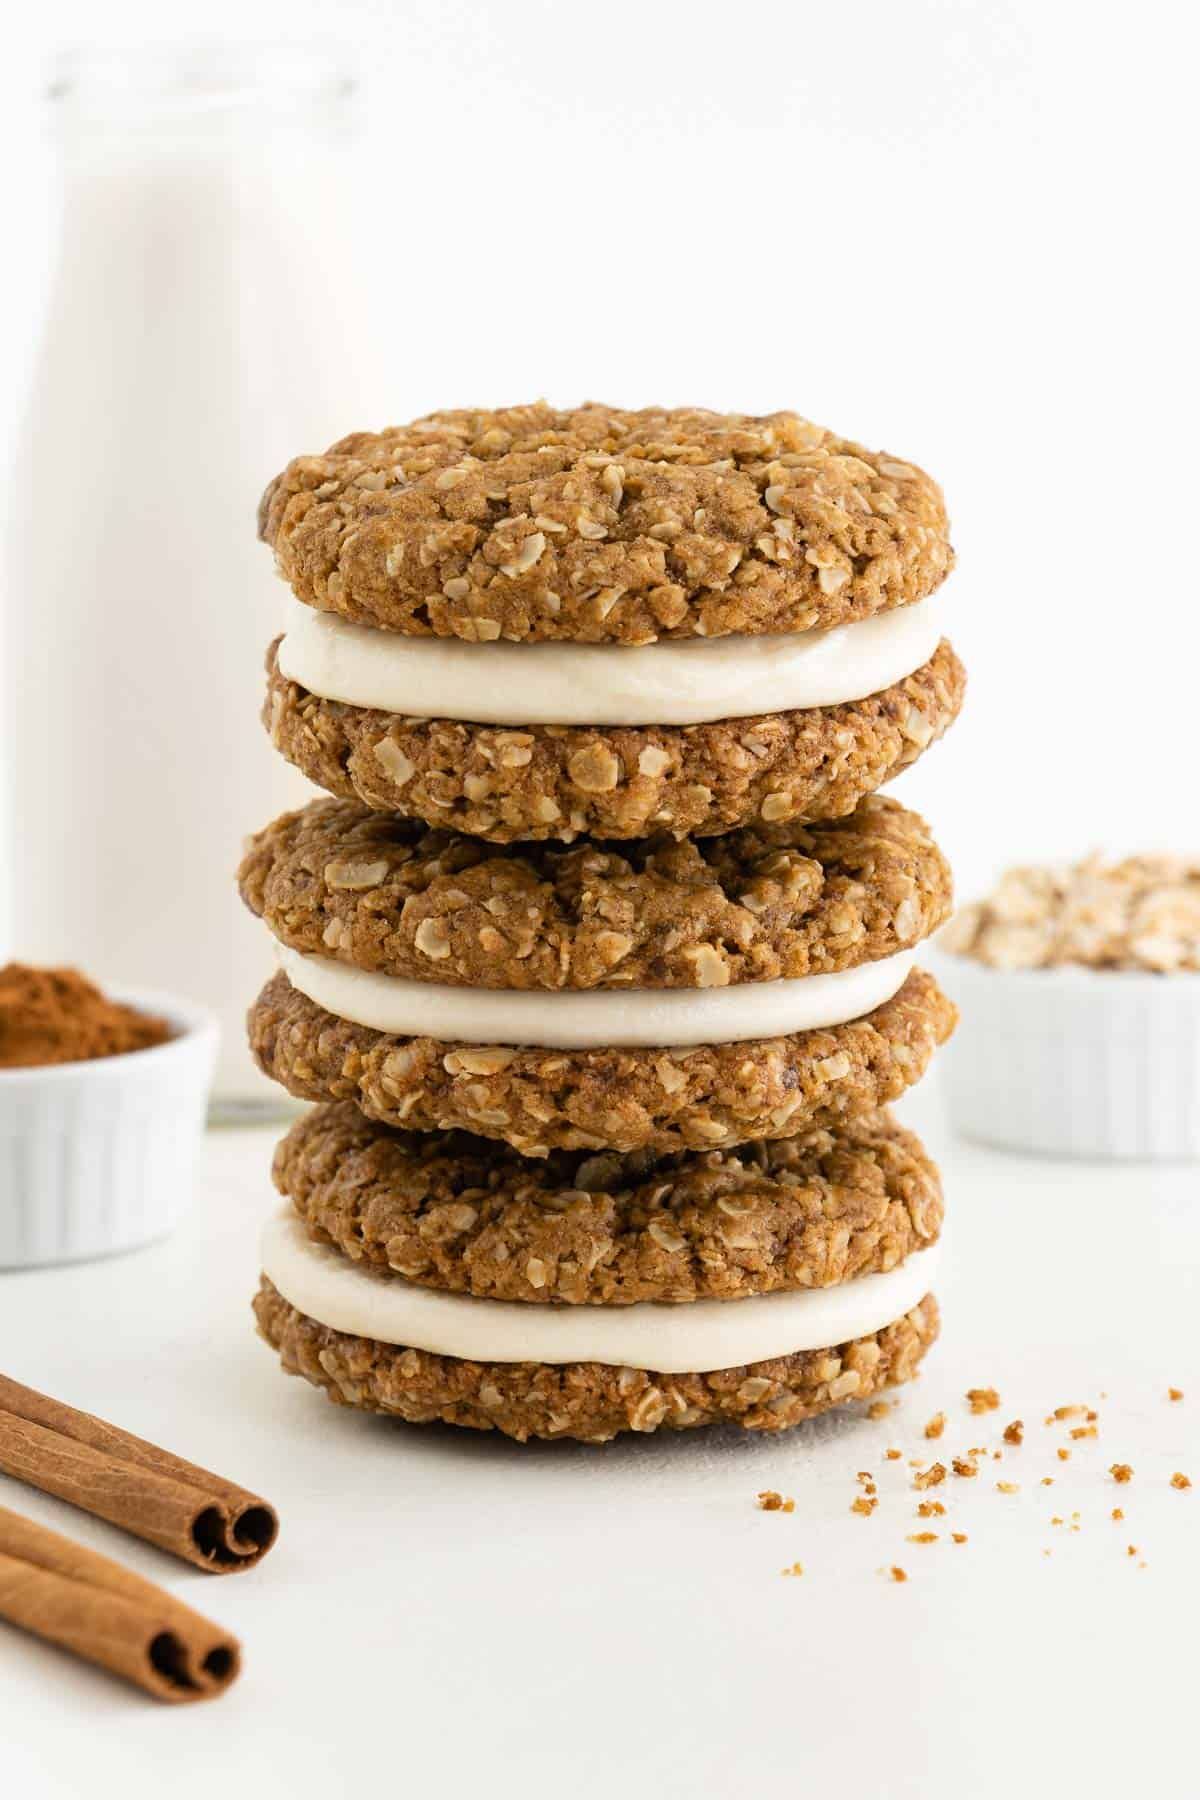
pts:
pixel 442 1278
pixel 655 995
pixel 537 624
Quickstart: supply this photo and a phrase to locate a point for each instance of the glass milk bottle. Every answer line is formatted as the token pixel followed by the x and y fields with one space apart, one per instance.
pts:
pixel 206 323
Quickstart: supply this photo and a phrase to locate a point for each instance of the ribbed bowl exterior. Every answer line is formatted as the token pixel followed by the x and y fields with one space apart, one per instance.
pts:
pixel 1074 1061
pixel 99 1157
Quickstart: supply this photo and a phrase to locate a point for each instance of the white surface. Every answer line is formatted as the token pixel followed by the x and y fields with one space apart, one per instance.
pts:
pixel 1074 1061
pixel 99 1156
pixel 706 1334
pixel 471 1616
pixel 689 682
pixel 598 1017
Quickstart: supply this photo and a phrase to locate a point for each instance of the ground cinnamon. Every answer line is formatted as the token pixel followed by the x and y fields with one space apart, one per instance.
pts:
pixel 58 1016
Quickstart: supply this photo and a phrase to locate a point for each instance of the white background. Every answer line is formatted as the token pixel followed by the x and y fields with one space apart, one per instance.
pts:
pixel 964 232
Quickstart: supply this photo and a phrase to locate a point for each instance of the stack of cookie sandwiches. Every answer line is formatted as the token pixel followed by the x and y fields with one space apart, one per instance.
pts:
pixel 600 958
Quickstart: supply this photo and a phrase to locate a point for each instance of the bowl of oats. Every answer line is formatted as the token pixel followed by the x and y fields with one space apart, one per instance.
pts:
pixel 1079 989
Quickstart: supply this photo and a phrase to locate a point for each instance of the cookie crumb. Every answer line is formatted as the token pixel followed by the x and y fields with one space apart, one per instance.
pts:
pixel 930 1509
pixel 936 1426
pixel 794 1569
pixel 1120 1471
pixel 1064 1455
pixel 932 1477
pixel 982 1400
pixel 879 1409
pixel 893 1455
pixel 1117 1513
pixel 1047 1481
pixel 922 1537
pixel 1008 1487
pixel 770 1501
pixel 960 1537
pixel 1084 1431
pixel 1174 1393
pixel 898 1574
pixel 1015 1433
pixel 863 1505
pixel 1131 1549
pixel 964 1468
pixel 1180 1481
pixel 1067 1412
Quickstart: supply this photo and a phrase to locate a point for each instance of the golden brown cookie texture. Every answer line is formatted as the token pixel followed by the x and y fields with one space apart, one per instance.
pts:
pixel 389 895
pixel 557 781
pixel 661 1100
pixel 589 1401
pixel 465 1215
pixel 594 524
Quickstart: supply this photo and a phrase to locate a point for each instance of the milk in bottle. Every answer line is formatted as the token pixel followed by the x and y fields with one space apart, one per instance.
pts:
pixel 207 321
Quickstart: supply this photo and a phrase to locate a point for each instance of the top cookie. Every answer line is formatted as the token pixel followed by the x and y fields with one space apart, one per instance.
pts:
pixel 595 525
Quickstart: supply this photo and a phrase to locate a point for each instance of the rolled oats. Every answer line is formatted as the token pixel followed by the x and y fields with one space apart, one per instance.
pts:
pixel 1142 913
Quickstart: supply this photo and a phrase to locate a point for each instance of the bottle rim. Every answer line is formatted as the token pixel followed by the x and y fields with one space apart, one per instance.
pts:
pixel 111 84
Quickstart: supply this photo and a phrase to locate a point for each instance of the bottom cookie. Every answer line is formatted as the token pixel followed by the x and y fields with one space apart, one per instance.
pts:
pixel 588 1401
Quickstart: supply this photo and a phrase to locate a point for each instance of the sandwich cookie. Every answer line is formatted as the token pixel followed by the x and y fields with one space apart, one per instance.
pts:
pixel 656 996
pixel 536 624
pixel 443 1278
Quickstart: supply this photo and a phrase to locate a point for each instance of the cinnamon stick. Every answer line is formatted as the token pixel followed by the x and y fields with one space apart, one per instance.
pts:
pixel 77 1598
pixel 210 1522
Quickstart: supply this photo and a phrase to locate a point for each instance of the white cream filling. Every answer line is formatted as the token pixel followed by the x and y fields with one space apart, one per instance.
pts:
pixel 598 1018
pixel 690 682
pixel 700 1335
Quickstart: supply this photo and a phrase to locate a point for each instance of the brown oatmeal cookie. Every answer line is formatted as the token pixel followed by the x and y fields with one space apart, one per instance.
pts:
pixel 626 1100
pixel 467 1216
pixel 390 895
pixel 614 781
pixel 590 1401
pixel 596 525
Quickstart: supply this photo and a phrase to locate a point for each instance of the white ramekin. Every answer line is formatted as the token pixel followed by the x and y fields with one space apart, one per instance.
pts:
pixel 1074 1061
pixel 97 1157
